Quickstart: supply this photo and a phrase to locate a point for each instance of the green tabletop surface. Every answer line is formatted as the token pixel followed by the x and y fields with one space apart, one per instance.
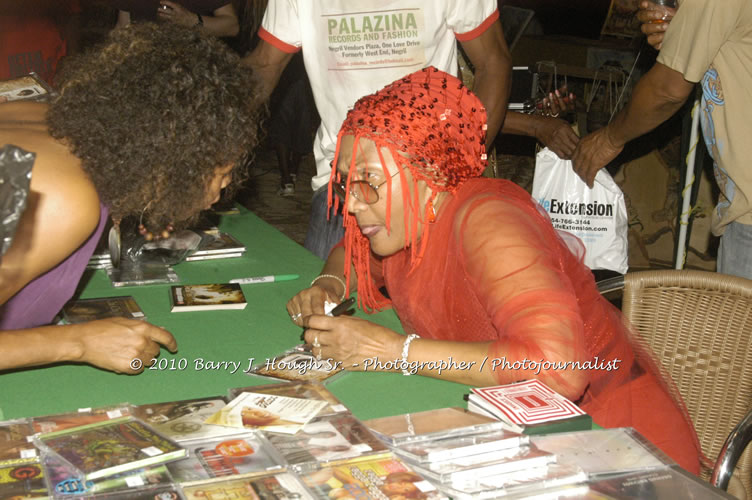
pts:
pixel 262 330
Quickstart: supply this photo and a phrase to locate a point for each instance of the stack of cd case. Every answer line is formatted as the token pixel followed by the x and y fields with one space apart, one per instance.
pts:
pixel 467 455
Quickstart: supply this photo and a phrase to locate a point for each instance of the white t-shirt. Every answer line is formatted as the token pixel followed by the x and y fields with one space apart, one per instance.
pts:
pixel 353 48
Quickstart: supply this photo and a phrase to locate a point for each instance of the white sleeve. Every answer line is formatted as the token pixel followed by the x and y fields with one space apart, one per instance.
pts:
pixel 463 16
pixel 281 21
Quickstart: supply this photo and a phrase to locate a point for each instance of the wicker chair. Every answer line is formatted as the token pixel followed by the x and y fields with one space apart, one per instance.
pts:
pixel 699 324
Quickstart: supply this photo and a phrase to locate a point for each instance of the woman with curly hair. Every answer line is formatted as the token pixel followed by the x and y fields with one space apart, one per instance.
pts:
pixel 486 289
pixel 155 122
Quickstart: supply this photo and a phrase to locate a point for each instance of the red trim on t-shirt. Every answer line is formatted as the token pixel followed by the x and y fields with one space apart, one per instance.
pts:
pixel 273 40
pixel 475 33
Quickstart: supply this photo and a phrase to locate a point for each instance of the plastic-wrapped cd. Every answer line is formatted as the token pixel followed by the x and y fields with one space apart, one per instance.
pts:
pixel 15 178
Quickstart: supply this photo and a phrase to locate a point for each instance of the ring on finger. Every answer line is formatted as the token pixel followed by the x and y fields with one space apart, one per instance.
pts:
pixel 316 341
pixel 318 356
pixel 296 316
pixel 552 115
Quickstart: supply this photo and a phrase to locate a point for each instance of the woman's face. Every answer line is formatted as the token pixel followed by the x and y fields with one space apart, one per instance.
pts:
pixel 220 180
pixel 372 218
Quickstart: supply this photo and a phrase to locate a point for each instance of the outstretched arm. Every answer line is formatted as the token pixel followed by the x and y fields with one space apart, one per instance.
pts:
pixel 117 344
pixel 656 97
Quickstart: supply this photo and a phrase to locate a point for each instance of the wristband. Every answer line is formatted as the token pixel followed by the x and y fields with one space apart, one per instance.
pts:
pixel 200 21
pixel 406 350
pixel 344 287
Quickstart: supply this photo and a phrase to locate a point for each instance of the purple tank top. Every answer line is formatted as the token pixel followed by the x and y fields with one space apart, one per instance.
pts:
pixel 40 300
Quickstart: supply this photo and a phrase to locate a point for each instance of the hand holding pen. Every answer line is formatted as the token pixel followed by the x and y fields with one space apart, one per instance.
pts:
pixel 338 310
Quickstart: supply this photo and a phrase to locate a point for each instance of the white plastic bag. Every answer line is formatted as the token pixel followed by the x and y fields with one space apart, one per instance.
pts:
pixel 597 216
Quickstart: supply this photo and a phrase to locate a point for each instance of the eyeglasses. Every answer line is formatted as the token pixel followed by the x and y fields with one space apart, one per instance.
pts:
pixel 362 190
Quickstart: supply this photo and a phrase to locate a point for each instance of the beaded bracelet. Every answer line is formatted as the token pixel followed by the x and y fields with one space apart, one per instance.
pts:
pixel 406 350
pixel 344 287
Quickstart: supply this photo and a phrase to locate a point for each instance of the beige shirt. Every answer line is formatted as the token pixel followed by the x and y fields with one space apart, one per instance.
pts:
pixel 710 41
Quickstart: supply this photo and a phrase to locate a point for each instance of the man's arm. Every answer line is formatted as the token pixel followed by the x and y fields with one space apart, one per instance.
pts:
pixel 656 97
pixel 490 57
pixel 268 62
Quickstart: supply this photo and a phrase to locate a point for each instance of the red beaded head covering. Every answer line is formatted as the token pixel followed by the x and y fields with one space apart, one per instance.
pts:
pixel 435 128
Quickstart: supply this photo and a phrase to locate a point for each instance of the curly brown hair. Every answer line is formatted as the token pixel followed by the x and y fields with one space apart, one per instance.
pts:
pixel 152 113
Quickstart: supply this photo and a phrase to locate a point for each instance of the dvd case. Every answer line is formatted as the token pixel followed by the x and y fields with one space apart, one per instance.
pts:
pixel 15 440
pixel 110 447
pixel 162 492
pixel 22 478
pixel 84 416
pixel 667 483
pixel 307 390
pixel 604 451
pixel 131 274
pixel 463 446
pixel 431 424
pixel 469 468
pixel 185 420
pixel 325 440
pixel 528 482
pixel 378 479
pixel 297 365
pixel 62 480
pixel 210 458
pixel 270 486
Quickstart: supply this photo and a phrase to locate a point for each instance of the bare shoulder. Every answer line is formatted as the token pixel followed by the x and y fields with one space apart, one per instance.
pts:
pixel 62 208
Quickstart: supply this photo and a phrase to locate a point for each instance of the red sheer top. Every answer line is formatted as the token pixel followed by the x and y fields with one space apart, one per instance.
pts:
pixel 494 269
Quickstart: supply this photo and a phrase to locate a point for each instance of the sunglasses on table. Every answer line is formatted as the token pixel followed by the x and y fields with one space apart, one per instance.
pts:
pixel 361 190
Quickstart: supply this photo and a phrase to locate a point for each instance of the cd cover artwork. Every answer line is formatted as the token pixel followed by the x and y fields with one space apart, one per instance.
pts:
pixel 184 420
pixel 110 447
pixel 327 439
pixel 274 486
pixel 22 478
pixel 210 458
pixel 376 479
pixel 252 410
pixel 303 389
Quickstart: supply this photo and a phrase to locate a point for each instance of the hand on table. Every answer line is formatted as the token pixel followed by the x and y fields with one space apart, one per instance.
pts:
pixel 123 345
pixel 648 14
pixel 594 152
pixel 351 340
pixel 176 13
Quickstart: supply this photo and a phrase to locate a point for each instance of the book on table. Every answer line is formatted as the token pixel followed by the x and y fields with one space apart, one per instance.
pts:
pixel 82 310
pixel 529 406
pixel 215 296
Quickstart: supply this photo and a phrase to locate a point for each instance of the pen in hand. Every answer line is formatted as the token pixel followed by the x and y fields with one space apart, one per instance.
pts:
pixel 341 308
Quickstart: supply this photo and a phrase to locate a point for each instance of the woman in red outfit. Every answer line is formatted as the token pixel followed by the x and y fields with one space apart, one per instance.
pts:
pixel 473 268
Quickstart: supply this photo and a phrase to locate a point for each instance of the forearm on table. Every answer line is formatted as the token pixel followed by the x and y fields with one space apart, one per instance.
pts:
pixel 656 97
pixel 39 346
